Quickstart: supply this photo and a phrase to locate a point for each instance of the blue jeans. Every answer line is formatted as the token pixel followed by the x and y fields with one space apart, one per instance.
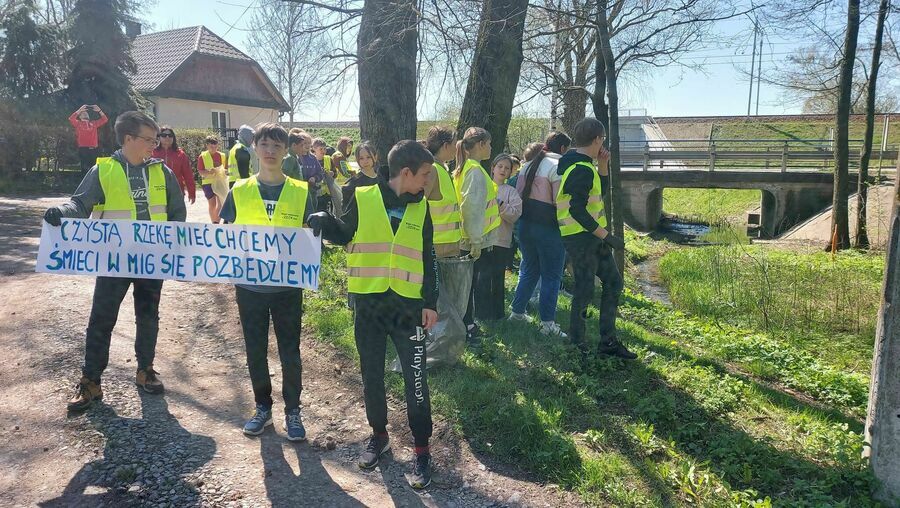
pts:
pixel 543 258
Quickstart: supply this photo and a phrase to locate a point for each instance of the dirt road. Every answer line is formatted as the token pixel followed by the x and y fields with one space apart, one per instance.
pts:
pixel 186 448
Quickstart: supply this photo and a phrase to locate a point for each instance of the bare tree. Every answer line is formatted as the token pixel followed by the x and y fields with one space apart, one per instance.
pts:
pixel 862 188
pixel 285 43
pixel 494 75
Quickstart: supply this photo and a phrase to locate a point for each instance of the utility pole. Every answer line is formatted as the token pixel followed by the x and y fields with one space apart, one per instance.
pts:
pixel 883 415
pixel 752 66
pixel 759 70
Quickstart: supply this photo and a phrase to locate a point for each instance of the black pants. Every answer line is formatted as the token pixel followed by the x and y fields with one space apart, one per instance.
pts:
pixel 481 270
pixel 285 308
pixel 108 295
pixel 87 157
pixel 590 256
pixel 490 289
pixel 377 317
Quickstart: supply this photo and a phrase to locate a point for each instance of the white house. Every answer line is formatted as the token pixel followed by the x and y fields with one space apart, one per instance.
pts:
pixel 196 79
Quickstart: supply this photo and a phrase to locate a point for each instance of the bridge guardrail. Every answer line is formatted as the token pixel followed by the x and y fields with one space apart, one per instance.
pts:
pixel 808 154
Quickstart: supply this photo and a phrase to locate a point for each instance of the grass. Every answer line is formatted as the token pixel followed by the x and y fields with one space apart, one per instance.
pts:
pixel 686 424
pixel 797 130
pixel 710 206
pixel 824 305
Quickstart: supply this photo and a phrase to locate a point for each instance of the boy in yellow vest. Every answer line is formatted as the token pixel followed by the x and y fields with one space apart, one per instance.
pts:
pixel 271 199
pixel 129 185
pixel 392 273
pixel 582 224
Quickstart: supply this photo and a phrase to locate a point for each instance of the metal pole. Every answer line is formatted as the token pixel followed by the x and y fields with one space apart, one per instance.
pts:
pixel 884 137
pixel 883 415
pixel 752 65
pixel 759 72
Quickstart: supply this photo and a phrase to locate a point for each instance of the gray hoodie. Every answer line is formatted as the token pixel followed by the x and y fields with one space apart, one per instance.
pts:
pixel 245 136
pixel 90 193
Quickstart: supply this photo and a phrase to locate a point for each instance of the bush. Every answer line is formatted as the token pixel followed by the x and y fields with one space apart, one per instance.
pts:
pixel 29 142
pixel 192 141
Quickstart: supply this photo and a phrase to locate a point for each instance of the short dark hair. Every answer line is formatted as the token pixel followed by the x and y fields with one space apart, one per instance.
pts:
pixel 438 136
pixel 270 130
pixel 408 153
pixel 129 123
pixel 586 131
pixel 297 135
pixel 556 141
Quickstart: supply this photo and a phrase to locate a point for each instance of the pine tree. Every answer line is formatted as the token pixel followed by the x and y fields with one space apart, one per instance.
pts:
pixel 100 58
pixel 30 63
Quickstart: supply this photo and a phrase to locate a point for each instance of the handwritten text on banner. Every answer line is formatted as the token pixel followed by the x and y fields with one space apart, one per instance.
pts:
pixel 261 255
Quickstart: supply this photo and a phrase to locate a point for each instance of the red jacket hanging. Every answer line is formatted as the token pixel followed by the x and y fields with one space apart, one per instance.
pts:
pixel 178 162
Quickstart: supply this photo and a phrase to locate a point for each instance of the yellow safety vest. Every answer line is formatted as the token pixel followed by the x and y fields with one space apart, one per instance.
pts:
pixel 118 201
pixel 232 166
pixel 208 164
pixel 445 211
pixel 378 259
pixel 491 210
pixel 567 224
pixel 289 210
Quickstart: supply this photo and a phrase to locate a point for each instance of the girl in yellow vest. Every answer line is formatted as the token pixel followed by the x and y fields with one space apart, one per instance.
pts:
pixel 480 216
pixel 272 199
pixel 442 201
pixel 211 166
pixel 133 186
pixel 392 273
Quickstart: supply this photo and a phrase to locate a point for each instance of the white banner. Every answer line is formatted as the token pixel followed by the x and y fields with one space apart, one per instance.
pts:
pixel 260 255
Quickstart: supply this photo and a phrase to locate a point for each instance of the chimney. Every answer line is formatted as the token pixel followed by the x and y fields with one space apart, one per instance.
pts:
pixel 132 28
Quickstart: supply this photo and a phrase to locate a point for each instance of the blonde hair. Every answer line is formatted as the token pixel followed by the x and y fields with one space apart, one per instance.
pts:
pixel 472 137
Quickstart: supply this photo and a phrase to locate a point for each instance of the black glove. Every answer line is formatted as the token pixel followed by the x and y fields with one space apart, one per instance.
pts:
pixel 318 221
pixel 614 241
pixel 53 216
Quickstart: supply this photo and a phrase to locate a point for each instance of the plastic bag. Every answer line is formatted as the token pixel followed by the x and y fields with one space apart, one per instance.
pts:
pixel 219 184
pixel 446 341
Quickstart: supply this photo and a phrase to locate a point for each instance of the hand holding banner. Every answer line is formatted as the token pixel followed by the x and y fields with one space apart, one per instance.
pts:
pixel 224 253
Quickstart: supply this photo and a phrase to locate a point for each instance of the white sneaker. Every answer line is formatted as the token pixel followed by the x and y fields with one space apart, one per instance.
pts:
pixel 515 316
pixel 551 328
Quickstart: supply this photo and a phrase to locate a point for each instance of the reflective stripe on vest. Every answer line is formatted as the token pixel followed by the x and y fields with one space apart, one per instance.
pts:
pixel 118 201
pixel 567 224
pixel 445 211
pixel 208 164
pixel 289 210
pixel 378 259
pixel 232 166
pixel 491 210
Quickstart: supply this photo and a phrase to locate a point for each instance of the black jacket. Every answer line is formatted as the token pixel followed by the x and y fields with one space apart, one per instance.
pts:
pixel 578 185
pixel 342 231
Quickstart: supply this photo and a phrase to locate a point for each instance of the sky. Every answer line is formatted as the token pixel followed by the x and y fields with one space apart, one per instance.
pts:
pixel 720 89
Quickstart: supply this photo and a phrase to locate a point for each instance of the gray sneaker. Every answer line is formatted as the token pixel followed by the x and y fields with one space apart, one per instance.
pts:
pixel 261 418
pixel 552 329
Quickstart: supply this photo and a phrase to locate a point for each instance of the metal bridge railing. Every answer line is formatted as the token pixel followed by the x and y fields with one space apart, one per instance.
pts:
pixel 757 154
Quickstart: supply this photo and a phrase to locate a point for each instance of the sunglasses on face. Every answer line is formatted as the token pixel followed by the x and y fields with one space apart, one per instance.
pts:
pixel 167 135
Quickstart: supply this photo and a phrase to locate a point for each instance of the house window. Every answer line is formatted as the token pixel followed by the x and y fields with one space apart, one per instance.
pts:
pixel 219 120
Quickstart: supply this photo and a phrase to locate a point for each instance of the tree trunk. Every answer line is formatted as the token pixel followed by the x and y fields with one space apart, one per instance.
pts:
pixel 882 432
pixel 840 226
pixel 598 102
pixel 615 191
pixel 862 185
pixel 386 63
pixel 494 75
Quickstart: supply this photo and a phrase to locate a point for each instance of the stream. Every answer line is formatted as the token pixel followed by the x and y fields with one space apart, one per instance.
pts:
pixel 647 273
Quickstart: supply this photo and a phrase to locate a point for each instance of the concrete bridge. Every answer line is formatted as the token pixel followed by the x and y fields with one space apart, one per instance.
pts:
pixel 787 197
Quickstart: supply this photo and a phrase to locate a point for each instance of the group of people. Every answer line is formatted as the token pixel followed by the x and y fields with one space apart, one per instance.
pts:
pixel 397 220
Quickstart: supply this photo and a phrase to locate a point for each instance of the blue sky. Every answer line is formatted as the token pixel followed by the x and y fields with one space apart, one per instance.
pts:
pixel 721 89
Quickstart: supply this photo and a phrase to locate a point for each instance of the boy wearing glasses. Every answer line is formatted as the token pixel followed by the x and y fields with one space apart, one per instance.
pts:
pixel 129 185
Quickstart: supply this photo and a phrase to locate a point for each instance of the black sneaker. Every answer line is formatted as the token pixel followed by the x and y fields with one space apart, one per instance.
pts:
pixel 421 475
pixel 473 337
pixel 377 446
pixel 616 348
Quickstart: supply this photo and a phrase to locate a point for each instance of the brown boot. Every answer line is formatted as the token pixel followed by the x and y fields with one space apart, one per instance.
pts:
pixel 86 393
pixel 148 380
